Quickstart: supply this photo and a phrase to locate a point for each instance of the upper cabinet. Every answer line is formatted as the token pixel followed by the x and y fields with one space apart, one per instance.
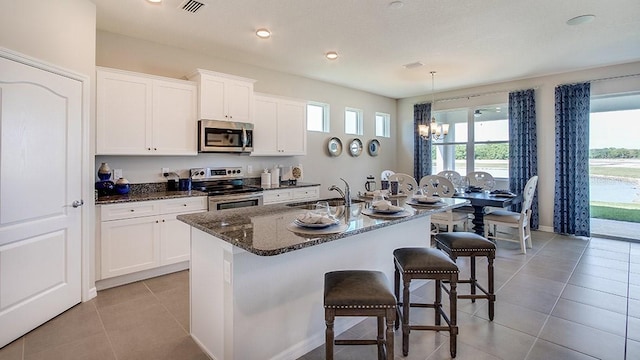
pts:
pixel 279 126
pixel 223 96
pixel 140 114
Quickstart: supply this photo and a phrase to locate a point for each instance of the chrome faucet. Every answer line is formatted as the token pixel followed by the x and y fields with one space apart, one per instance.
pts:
pixel 346 194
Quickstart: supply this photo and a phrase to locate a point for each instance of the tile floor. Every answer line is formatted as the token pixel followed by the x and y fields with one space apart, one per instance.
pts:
pixel 568 298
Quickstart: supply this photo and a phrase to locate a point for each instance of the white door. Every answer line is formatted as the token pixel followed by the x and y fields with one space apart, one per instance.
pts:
pixel 40 178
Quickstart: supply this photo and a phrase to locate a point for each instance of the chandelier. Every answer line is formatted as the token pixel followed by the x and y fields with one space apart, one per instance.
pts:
pixel 433 129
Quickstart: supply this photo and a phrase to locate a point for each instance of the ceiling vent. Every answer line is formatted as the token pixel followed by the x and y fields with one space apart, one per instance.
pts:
pixel 191 6
pixel 413 65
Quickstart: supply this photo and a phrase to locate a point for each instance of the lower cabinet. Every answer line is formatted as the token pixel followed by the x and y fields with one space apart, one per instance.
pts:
pixel 132 240
pixel 291 194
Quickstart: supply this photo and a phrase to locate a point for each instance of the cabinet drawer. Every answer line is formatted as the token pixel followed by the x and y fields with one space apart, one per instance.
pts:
pixel 129 210
pixel 306 193
pixel 183 205
pixel 277 196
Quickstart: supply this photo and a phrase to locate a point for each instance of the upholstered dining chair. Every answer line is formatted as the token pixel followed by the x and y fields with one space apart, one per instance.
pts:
pixel 520 221
pixel 407 185
pixel 435 185
pixel 481 179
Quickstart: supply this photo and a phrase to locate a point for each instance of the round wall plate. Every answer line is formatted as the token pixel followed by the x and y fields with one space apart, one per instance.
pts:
pixel 355 147
pixel 334 145
pixel 374 146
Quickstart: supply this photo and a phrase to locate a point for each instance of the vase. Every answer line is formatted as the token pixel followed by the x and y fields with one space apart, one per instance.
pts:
pixel 104 172
pixel 122 186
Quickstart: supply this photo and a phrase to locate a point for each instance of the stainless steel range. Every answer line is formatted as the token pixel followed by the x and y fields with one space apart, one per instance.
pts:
pixel 226 188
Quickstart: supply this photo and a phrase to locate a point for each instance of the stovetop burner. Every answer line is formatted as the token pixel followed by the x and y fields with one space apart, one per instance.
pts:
pixel 220 181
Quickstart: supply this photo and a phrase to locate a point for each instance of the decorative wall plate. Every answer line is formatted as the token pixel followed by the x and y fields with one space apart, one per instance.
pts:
pixel 374 146
pixel 355 147
pixel 334 146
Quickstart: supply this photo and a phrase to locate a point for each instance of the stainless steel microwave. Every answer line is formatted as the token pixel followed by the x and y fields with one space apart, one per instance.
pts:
pixel 224 136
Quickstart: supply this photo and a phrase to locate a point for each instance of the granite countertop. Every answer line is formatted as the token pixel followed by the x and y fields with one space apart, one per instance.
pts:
pixel 285 185
pixel 264 230
pixel 146 196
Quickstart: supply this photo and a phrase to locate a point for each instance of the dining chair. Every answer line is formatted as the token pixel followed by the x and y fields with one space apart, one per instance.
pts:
pixel 452 176
pixel 481 179
pixel 520 221
pixel 407 185
pixel 435 185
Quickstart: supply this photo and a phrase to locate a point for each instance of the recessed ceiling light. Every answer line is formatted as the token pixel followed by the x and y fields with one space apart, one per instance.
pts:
pixel 155 1
pixel 396 4
pixel 331 55
pixel 263 33
pixel 582 19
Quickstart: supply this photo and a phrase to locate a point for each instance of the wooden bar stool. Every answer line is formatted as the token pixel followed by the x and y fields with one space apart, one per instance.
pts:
pixel 360 293
pixel 470 244
pixel 426 264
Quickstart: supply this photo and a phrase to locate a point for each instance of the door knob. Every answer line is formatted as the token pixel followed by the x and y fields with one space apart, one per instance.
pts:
pixel 77 203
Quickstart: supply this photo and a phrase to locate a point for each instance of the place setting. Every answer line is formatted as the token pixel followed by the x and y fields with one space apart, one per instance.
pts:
pixel 318 221
pixel 384 209
pixel 419 200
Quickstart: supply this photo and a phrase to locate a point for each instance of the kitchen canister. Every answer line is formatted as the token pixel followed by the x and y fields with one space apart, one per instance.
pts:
pixel 265 178
pixel 275 176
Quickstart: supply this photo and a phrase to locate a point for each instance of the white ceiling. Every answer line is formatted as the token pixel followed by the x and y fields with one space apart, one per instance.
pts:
pixel 467 42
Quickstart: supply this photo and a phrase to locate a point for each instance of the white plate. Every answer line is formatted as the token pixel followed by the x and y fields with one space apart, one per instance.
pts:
pixel 315 226
pixel 397 215
pixel 426 199
pixel 424 205
pixel 315 231
pixel 390 211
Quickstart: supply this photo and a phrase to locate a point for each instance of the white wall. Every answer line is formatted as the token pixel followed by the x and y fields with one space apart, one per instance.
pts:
pixel 545 88
pixel 127 53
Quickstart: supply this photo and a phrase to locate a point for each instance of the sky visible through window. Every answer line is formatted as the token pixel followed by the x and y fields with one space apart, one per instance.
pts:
pixel 617 129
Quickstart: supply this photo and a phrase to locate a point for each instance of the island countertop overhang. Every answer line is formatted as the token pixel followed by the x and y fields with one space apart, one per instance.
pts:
pixel 262 230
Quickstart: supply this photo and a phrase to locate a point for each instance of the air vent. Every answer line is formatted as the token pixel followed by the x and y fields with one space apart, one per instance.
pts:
pixel 413 65
pixel 191 6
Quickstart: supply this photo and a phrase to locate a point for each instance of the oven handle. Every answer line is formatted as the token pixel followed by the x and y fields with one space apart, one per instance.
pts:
pixel 245 140
pixel 226 198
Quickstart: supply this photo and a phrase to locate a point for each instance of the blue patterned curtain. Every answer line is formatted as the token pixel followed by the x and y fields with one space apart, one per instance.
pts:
pixel 571 203
pixel 421 147
pixel 523 148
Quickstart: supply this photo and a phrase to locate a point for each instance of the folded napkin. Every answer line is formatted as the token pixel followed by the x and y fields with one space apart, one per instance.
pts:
pixel 384 205
pixel 314 218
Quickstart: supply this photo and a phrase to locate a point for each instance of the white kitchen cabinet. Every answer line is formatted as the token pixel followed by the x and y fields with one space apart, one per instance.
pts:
pixel 280 126
pixel 144 235
pixel 223 96
pixel 291 194
pixel 140 114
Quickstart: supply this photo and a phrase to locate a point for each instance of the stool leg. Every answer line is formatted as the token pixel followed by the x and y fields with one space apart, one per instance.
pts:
pixel 492 296
pixel 396 286
pixel 473 277
pixel 453 315
pixel 437 306
pixel 380 339
pixel 389 337
pixel 329 317
pixel 406 301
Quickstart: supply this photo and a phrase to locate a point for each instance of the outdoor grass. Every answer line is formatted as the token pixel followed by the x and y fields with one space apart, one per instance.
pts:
pixel 627 172
pixel 615 211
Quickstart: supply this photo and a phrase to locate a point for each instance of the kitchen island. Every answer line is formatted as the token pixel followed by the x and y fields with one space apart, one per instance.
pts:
pixel 256 280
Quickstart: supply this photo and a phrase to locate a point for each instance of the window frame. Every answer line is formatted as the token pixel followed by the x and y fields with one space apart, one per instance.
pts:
pixel 359 121
pixel 325 116
pixel 386 124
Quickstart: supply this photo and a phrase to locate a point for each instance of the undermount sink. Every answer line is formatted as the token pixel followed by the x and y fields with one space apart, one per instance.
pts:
pixel 310 205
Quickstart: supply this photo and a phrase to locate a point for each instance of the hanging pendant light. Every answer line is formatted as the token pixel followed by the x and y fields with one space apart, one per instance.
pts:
pixel 432 128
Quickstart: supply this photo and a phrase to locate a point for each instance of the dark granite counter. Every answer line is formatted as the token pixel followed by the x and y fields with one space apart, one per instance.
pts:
pixel 146 196
pixel 285 185
pixel 267 231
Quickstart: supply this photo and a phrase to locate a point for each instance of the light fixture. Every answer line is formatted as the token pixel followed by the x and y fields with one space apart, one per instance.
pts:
pixel 155 1
pixel 331 55
pixel 263 33
pixel 477 113
pixel 582 19
pixel 433 129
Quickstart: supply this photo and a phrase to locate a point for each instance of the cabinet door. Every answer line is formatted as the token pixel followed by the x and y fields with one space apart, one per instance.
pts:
pixel 124 114
pixel 239 101
pixel 175 240
pixel 265 130
pixel 292 134
pixel 212 98
pixel 174 118
pixel 308 193
pixel 129 245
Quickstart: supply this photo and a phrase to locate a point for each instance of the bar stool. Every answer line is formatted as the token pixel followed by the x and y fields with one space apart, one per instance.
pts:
pixel 471 244
pixel 426 264
pixel 359 293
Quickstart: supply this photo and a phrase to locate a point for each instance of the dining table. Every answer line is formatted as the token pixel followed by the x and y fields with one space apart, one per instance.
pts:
pixel 483 199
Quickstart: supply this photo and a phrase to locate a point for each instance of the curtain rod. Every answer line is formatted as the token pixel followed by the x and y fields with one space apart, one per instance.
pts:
pixel 605 79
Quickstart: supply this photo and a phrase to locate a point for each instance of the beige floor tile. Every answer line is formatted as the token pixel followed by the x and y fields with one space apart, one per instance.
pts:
pixel 168 282
pixel 634 292
pixel 544 350
pixel 546 272
pixel 176 301
pixel 592 316
pixel 597 283
pixel 584 339
pixel 613 254
pixel 595 298
pixel 603 272
pixel 633 308
pixel 633 349
pixel 556 263
pixel 608 263
pixel 527 297
pixel 464 352
pixel 183 348
pixel 515 317
pixel 13 350
pixel 121 294
pixel 634 279
pixel 633 328
pixel 634 267
pixel 540 284
pixel 495 339
pixel 95 347
pixel 571 254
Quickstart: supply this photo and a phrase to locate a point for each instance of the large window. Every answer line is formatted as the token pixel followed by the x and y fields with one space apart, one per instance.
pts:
pixel 353 121
pixel 478 140
pixel 383 125
pixel 317 117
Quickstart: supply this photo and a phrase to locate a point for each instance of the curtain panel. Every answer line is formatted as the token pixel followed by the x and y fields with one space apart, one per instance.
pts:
pixel 523 147
pixel 421 147
pixel 571 203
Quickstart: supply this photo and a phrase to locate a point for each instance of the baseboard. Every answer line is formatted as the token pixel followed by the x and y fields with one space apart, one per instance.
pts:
pixel 141 275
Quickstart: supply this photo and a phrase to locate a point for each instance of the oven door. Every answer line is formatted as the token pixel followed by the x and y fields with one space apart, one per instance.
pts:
pixel 224 202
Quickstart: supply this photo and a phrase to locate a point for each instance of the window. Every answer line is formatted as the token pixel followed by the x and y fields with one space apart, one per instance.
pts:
pixel 353 121
pixel 478 140
pixel 317 117
pixel 383 125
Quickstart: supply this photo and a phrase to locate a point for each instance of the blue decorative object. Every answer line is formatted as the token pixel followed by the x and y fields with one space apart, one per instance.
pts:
pixel 104 187
pixel 122 186
pixel 104 172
